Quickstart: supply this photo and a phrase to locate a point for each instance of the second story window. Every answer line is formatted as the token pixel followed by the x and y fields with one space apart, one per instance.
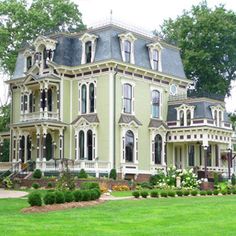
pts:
pixel 88 51
pixel 84 99
pixel 155 104
pixel 155 59
pixel 181 117
pixel 188 117
pixel 127 50
pixel 127 98
pixel 91 98
pixel 29 62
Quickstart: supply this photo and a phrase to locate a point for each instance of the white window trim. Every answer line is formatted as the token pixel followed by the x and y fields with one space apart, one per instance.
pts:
pixel 151 47
pixel 160 90
pixel 123 82
pixel 218 109
pixel 84 39
pixel 185 108
pixel 131 38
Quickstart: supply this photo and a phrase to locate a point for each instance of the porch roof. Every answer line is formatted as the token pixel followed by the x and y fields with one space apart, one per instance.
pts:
pixel 39 123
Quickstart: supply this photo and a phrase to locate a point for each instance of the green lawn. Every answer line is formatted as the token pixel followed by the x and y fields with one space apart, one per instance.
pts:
pixel 121 193
pixel 172 216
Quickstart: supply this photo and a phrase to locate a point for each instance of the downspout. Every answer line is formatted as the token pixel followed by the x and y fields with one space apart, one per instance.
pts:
pixel 114 118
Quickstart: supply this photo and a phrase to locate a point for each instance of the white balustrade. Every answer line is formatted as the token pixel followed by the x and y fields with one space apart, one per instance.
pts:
pixel 39 116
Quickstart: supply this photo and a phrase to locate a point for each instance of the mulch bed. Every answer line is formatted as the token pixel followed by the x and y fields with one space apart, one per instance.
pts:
pixel 57 207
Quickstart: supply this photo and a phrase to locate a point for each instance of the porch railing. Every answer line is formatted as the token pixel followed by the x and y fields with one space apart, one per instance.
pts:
pixel 214 169
pixel 40 115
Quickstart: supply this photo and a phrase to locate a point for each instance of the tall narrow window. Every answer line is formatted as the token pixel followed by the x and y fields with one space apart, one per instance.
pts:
pixel 127 50
pixel 45 65
pixel 25 102
pixel 155 104
pixel 158 149
pixel 84 99
pixel 88 51
pixel 31 103
pixel 209 155
pixel 127 98
pixel 217 155
pixel 49 100
pixel 81 145
pixel 220 118
pixel 28 62
pixel 129 146
pixel 155 58
pixel 216 118
pixel 91 97
pixel 188 117
pixel 90 145
pixel 49 151
pixel 28 148
pixel 191 155
pixel 181 117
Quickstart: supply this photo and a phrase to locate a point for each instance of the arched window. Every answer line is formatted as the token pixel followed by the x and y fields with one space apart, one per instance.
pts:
pixel 31 102
pixel 155 59
pixel 155 104
pixel 81 144
pixel 220 118
pixel 49 100
pixel 129 146
pixel 158 149
pixel 49 147
pixel 45 58
pixel 29 62
pixel 22 149
pixel 90 145
pixel 127 98
pixel 88 51
pixel 84 99
pixel 181 117
pixel 91 97
pixel 216 118
pixel 127 50
pixel 188 117
pixel 28 148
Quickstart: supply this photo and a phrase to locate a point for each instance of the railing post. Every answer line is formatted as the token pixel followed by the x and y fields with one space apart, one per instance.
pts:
pixel 96 169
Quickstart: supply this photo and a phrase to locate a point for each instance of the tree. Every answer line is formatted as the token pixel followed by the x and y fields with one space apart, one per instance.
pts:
pixel 207 40
pixel 232 117
pixel 4 117
pixel 21 23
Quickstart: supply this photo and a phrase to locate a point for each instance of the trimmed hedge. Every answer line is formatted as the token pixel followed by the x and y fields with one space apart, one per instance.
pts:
pixel 34 199
pixel 59 197
pixel 136 194
pixel 179 193
pixel 171 193
pixel 144 194
pixel 186 192
pixel 82 174
pixel 216 192
pixel 77 195
pixel 49 198
pixel 35 185
pixel 154 193
pixel 194 192
pixel 69 197
pixel 37 174
pixel 89 185
pixel 86 195
pixel 203 193
pixel 164 194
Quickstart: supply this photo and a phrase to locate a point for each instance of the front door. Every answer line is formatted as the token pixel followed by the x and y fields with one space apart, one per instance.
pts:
pixel 178 157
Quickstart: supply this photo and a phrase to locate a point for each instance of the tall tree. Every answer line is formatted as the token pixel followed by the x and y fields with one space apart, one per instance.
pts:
pixel 20 22
pixel 4 117
pixel 207 40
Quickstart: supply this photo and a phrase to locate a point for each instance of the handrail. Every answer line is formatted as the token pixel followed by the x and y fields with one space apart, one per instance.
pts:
pixel 12 169
pixel 28 164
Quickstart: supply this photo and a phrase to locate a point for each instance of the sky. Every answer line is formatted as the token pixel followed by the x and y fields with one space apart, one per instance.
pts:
pixel 147 15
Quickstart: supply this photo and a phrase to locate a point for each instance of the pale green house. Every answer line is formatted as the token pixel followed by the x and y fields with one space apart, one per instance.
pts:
pixel 111 97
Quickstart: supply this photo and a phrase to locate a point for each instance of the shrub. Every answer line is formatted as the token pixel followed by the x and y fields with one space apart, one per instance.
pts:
pixel 216 192
pixel 35 185
pixel 233 180
pixel 146 185
pixel 229 191
pixel 59 197
pixel 144 194
pixel 223 191
pixel 154 193
pixel 194 192
pixel 98 193
pixel 234 191
pixel 179 193
pixel 171 193
pixel 50 185
pixel 34 199
pixel 158 179
pixel 66 182
pixel 89 185
pixel 7 182
pixel 69 197
pixel 94 194
pixel 120 188
pixel 164 194
pixel 49 198
pixel 37 174
pixel 203 193
pixel 136 194
pixel 82 174
pixel 113 174
pixel 186 192
pixel 209 192
pixel 216 179
pixel 86 195
pixel 77 195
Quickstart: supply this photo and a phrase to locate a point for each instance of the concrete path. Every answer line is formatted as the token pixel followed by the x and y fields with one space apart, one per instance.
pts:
pixel 11 193
pixel 112 198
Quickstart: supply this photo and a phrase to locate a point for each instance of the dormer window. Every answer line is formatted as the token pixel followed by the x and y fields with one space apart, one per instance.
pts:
pixel 127 46
pixel 29 62
pixel 154 55
pixel 181 118
pixel 217 114
pixel 188 117
pixel 88 51
pixel 185 114
pixel 155 58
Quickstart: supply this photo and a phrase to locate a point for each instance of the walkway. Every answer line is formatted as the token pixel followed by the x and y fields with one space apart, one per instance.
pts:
pixel 11 194
pixel 112 198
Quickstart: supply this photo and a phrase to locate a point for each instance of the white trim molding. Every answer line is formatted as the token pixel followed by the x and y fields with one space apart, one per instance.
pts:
pixel 151 48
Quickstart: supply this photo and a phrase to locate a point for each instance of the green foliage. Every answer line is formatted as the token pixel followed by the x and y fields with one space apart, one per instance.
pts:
pixel 77 195
pixel 66 181
pixel 203 193
pixel 146 185
pixel 5 150
pixel 49 198
pixel 94 194
pixel 234 191
pixel 216 179
pixel 86 195
pixel 113 174
pixel 136 194
pixel 186 192
pixel 30 20
pixel 223 191
pixel 154 193
pixel 207 41
pixel 4 111
pixel 34 199
pixel 59 197
pixel 89 185
pixel 229 191
pixel 69 197
pixel 144 194
pixel 233 179
pixel 82 174
pixel 35 185
pixel 194 192
pixel 171 193
pixel 164 194
pixel 215 192
pixel 8 182
pixel 157 179
pixel 209 192
pixel 37 174
pixel 50 185
pixel 179 192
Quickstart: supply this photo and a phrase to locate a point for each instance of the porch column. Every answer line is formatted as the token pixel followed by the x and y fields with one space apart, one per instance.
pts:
pixel 205 161
pixel 46 101
pixel 41 100
pixel 85 145
pixel 44 143
pixel 163 152
pixel 61 145
pixel 25 151
pixel 19 148
pixel 58 101
pixel 14 147
pixel 38 143
pixel 1 148
pixel 76 145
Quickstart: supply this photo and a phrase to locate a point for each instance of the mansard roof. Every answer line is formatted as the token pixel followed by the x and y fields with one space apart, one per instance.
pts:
pixel 127 119
pixel 68 50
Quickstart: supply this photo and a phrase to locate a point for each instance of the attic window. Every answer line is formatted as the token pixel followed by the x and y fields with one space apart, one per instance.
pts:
pixel 127 50
pixel 88 51
pixel 29 62
pixel 155 59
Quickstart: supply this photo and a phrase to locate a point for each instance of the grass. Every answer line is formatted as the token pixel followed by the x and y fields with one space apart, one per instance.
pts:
pixel 173 216
pixel 121 193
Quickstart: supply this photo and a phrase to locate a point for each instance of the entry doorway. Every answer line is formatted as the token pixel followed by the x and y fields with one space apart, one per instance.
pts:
pixel 179 157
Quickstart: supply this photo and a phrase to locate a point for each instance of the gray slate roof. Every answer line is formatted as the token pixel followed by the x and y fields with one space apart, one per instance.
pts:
pixel 157 123
pixel 126 119
pixel 202 110
pixel 68 51
pixel 91 118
